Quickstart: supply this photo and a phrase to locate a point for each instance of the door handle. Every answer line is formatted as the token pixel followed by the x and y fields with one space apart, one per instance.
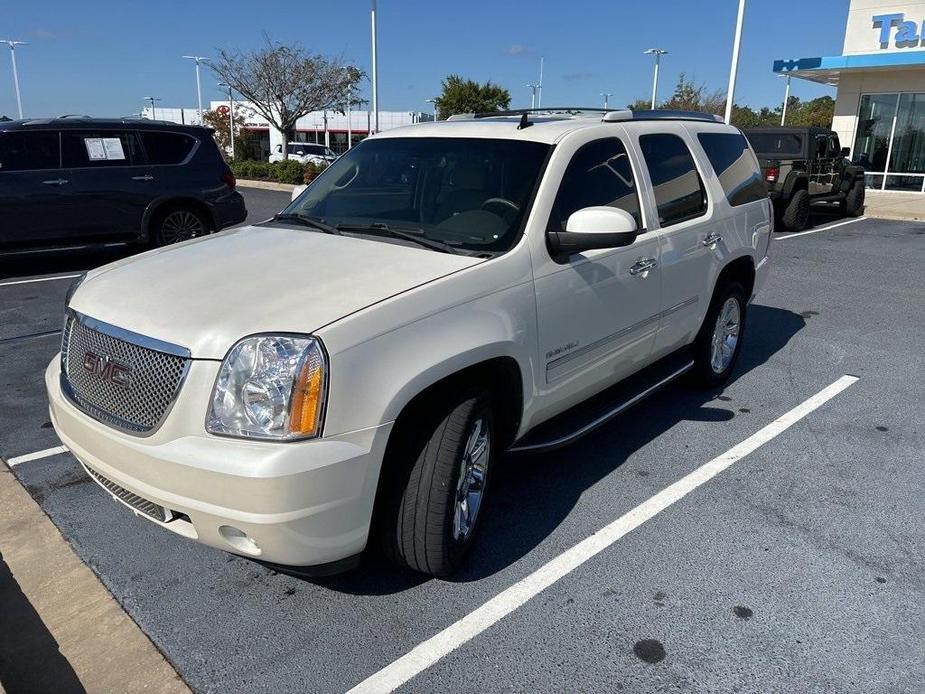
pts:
pixel 640 267
pixel 55 182
pixel 143 178
pixel 712 240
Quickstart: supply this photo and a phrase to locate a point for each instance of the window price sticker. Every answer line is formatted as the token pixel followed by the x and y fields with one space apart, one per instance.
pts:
pixel 104 148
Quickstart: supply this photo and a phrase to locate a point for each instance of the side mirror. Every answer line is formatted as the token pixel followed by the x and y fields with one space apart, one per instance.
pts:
pixel 594 227
pixel 845 152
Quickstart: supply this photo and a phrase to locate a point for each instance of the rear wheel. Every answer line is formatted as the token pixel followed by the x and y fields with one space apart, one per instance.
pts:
pixel 436 479
pixel 854 200
pixel 796 216
pixel 719 341
pixel 178 224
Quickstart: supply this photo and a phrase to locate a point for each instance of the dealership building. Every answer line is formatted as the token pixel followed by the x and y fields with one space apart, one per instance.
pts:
pixel 880 77
pixel 323 127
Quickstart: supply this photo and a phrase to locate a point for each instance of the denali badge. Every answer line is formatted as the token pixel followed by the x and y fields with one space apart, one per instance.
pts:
pixel 108 370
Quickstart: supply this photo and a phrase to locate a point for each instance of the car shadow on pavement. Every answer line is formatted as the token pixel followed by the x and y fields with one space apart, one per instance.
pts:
pixel 65 260
pixel 532 495
pixel 30 660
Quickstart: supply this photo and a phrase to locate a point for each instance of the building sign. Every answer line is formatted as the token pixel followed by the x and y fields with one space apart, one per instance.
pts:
pixel 896 31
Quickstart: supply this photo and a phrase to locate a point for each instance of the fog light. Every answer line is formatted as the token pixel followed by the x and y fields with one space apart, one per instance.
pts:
pixel 240 541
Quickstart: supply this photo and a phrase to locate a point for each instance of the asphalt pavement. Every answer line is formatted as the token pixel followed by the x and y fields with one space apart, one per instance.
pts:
pixel 798 568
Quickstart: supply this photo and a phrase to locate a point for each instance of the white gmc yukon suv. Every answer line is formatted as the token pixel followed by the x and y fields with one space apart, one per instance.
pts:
pixel 351 371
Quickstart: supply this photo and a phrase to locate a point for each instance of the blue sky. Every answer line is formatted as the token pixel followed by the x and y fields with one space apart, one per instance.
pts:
pixel 102 57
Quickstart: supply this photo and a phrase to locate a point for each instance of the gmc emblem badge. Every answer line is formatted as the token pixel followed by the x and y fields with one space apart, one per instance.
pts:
pixel 108 370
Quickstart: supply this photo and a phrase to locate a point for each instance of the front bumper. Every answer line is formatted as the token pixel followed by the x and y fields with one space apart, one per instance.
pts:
pixel 297 504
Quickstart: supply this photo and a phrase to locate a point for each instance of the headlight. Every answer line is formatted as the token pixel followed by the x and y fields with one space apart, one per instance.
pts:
pixel 270 387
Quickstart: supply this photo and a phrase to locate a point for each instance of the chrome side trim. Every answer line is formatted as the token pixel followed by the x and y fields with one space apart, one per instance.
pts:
pixel 602 419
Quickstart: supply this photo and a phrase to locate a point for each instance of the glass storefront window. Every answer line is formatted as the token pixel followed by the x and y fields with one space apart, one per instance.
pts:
pixel 875 122
pixel 908 154
pixel 910 183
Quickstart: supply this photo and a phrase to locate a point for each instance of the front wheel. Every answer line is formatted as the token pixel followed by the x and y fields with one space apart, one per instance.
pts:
pixel 719 341
pixel 854 200
pixel 435 482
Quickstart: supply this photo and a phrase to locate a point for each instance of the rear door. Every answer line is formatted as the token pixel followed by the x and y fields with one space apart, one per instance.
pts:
pixel 111 183
pixel 33 189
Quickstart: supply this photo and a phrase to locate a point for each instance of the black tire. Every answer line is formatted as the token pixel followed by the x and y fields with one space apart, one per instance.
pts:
pixel 796 216
pixel 854 200
pixel 422 482
pixel 705 372
pixel 177 223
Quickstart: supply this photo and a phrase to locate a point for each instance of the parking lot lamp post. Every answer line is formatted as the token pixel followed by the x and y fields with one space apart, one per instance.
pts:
pixel 198 59
pixel 375 64
pixel 12 44
pixel 783 111
pixel 606 96
pixel 736 44
pixel 434 102
pixel 658 53
pixel 539 87
pixel 532 88
pixel 153 100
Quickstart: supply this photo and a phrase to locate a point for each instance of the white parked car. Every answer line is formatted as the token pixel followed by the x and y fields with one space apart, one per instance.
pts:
pixel 353 370
pixel 304 153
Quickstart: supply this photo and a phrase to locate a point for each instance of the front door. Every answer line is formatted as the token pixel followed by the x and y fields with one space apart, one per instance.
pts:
pixel 33 189
pixel 597 311
pixel 110 182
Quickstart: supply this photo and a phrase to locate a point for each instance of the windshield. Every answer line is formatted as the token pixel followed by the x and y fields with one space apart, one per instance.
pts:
pixel 776 144
pixel 471 194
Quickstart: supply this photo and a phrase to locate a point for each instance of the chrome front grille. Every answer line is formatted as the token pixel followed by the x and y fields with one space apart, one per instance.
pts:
pixel 125 380
pixel 149 508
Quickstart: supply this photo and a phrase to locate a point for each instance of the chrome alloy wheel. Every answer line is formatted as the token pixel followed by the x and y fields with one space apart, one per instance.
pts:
pixel 470 488
pixel 725 335
pixel 180 225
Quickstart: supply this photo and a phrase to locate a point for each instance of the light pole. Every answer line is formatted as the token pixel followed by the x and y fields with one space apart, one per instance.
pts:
pixel 198 59
pixel 606 96
pixel 12 44
pixel 434 102
pixel 783 112
pixel 730 92
pixel 532 88
pixel 539 87
pixel 375 69
pixel 153 100
pixel 658 53
pixel 230 115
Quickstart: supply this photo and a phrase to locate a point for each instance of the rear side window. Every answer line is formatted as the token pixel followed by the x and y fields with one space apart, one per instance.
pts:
pixel 167 148
pixel 599 175
pixel 679 192
pixel 29 151
pixel 735 166
pixel 98 149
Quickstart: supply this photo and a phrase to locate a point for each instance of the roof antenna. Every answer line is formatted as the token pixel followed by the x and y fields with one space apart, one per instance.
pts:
pixel 524 122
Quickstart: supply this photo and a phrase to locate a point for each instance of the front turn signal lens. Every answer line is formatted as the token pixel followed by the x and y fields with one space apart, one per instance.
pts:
pixel 308 396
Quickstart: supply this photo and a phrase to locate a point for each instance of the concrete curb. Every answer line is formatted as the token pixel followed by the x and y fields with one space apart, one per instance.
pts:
pixel 265 185
pixel 61 629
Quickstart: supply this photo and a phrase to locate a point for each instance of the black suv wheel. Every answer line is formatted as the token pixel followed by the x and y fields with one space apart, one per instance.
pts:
pixel 176 224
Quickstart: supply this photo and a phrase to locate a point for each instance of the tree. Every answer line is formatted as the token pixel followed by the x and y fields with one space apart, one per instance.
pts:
pixel 689 96
pixel 284 83
pixel 815 112
pixel 218 120
pixel 467 96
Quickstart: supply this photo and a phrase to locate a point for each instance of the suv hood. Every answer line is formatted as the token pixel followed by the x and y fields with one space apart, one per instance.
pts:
pixel 207 294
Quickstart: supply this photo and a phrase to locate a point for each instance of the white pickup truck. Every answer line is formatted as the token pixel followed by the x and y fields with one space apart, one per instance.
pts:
pixel 350 372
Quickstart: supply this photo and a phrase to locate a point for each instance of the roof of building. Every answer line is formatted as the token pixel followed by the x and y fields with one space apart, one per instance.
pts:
pixel 828 69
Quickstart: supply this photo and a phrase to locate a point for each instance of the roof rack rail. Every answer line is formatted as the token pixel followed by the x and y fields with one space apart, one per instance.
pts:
pixel 74 115
pixel 659 114
pixel 545 111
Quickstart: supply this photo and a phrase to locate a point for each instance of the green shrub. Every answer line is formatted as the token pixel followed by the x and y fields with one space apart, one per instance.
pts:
pixel 288 171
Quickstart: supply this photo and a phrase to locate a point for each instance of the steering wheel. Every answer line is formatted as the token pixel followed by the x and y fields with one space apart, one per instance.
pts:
pixel 507 208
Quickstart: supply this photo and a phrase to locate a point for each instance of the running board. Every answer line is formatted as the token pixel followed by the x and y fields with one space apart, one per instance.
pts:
pixel 585 417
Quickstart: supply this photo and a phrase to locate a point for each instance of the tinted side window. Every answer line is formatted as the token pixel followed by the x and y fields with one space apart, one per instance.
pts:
pixel 679 193
pixel 167 148
pixel 98 149
pixel 735 166
pixel 22 151
pixel 599 175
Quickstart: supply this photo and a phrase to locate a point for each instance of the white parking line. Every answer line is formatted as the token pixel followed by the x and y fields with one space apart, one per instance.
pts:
pixel 41 279
pixel 38 455
pixel 817 230
pixel 429 652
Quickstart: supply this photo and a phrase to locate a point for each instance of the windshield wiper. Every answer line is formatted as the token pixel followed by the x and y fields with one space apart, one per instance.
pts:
pixel 305 221
pixel 415 237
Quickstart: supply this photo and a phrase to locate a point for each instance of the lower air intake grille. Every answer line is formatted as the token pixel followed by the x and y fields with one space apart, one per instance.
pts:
pixel 149 508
